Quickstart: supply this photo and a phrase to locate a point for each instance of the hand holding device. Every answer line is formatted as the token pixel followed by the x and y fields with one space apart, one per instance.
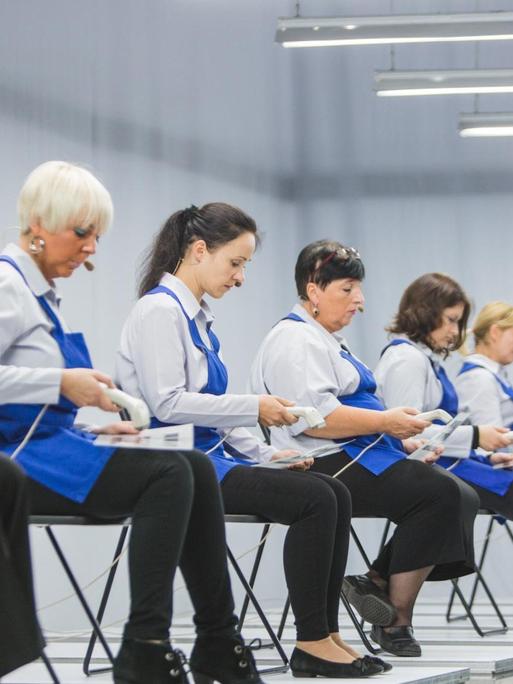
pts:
pixel 402 422
pixel 272 411
pixel 493 438
pixel 137 409
pixel 437 414
pixel 310 414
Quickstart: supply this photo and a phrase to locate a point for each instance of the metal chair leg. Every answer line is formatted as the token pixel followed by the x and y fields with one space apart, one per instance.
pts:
pixel 78 591
pixel 49 667
pixel 103 605
pixel 261 615
pixel 254 571
pixel 284 616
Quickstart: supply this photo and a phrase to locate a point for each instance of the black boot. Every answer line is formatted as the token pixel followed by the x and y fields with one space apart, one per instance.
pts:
pixel 225 659
pixel 142 662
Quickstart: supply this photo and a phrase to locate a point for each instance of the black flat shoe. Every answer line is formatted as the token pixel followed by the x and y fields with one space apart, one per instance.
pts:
pixel 227 660
pixel 397 640
pixel 369 600
pixel 377 661
pixel 142 662
pixel 302 664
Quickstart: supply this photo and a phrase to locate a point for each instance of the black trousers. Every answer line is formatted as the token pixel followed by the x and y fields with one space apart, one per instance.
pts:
pixel 317 510
pixel 177 520
pixel 20 638
pixel 433 510
pixel 495 502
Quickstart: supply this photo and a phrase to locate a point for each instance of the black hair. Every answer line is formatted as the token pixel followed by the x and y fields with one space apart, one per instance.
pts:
pixel 323 261
pixel 215 223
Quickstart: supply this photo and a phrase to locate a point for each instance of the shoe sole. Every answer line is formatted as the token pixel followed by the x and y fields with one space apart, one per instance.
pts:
pixel 369 607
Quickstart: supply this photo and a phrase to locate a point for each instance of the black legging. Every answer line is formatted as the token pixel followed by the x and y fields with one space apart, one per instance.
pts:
pixel 177 520
pixel 20 638
pixel 434 512
pixel 317 510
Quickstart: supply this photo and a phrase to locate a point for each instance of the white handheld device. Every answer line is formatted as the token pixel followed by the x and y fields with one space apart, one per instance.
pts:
pixel 509 435
pixel 309 413
pixel 437 414
pixel 137 409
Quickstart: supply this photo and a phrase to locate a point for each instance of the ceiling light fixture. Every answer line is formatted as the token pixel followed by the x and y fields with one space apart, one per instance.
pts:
pixel 391 29
pixel 488 124
pixel 444 82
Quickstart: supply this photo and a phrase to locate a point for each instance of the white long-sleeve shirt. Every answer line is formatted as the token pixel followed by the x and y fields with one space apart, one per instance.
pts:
pixel 405 377
pixel 302 362
pixel 158 362
pixel 479 391
pixel 30 359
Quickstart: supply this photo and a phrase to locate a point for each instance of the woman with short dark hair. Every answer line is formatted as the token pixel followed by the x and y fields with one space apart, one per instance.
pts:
pixel 306 358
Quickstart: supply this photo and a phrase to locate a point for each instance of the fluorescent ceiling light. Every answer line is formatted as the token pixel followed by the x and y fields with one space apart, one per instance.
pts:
pixel 417 28
pixel 489 124
pixel 447 82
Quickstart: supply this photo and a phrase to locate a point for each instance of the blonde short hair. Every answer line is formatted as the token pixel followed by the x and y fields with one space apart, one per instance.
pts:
pixel 58 193
pixel 494 313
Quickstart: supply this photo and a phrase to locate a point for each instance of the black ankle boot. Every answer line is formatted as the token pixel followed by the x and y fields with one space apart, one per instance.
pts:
pixel 141 662
pixel 225 659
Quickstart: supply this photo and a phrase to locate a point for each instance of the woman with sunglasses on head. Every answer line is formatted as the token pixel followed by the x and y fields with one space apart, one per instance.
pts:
pixel 306 358
pixel 173 500
pixel 431 321
pixel 170 357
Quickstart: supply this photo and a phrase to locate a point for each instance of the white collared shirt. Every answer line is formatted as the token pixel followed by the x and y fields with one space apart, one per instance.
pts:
pixel 158 361
pixel 302 362
pixel 30 359
pixel 405 377
pixel 481 393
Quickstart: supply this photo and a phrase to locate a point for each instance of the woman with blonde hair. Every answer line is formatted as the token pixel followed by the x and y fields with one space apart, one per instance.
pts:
pixel 484 388
pixel 46 374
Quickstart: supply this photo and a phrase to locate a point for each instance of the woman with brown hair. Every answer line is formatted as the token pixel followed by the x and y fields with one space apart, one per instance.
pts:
pixel 430 323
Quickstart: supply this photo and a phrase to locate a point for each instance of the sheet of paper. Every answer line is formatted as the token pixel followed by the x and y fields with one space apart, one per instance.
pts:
pixel 318 452
pixel 175 438
pixel 440 437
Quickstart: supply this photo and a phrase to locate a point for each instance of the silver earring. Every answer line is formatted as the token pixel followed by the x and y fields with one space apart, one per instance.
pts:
pixel 36 245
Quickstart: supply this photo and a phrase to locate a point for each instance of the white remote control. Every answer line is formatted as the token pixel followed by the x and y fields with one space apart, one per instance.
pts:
pixel 309 413
pixel 509 435
pixel 137 409
pixel 437 414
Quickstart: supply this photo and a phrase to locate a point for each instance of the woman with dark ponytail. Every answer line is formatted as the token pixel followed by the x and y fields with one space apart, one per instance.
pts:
pixel 170 357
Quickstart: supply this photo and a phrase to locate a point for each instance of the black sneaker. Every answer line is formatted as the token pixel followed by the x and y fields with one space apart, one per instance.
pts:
pixel 369 600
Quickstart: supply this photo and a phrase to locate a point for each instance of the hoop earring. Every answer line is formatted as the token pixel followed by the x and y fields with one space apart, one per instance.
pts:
pixel 36 247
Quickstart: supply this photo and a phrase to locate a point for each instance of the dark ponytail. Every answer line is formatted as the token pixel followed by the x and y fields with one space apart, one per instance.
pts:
pixel 215 223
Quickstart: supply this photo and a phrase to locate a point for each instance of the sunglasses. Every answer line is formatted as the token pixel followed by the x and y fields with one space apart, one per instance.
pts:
pixel 342 253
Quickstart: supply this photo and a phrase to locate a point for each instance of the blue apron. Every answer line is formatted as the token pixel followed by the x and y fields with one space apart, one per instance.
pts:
pixel 388 450
pixel 205 438
pixel 57 455
pixel 475 469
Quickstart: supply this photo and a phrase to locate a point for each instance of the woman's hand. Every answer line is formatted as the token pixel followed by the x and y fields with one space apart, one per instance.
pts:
pixel 411 445
pixel 493 438
pixel 81 386
pixel 300 465
pixel 272 411
pixel 401 422
pixel 124 427
pixel 505 460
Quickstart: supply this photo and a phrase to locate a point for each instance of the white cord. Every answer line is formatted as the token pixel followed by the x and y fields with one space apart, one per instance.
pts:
pixel 357 458
pixel 30 432
pixel 221 441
